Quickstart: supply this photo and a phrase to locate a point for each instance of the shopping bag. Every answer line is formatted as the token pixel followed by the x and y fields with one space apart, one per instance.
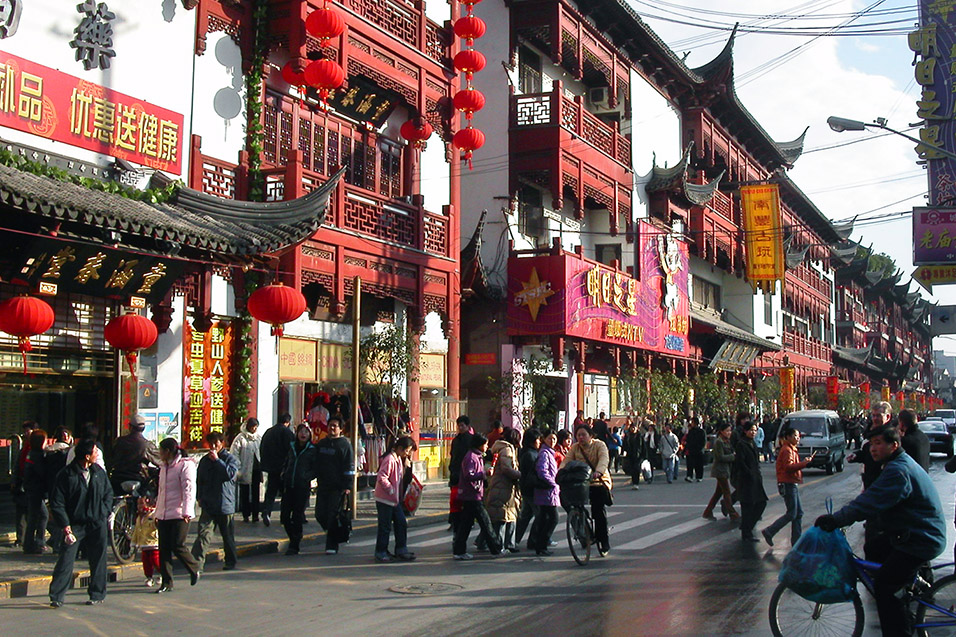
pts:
pixel 820 567
pixel 646 470
pixel 413 495
pixel 341 529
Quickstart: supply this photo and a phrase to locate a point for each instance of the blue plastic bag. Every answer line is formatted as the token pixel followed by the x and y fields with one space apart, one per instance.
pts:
pixel 820 567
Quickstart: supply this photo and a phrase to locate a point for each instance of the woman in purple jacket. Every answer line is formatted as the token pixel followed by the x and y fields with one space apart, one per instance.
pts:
pixel 546 499
pixel 471 491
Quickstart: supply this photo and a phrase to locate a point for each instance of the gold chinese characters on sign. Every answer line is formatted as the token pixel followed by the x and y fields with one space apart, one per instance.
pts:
pixel 763 235
pixel 208 365
pixel 787 389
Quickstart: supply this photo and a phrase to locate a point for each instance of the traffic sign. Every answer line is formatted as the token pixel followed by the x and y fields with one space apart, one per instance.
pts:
pixel 930 275
pixel 943 320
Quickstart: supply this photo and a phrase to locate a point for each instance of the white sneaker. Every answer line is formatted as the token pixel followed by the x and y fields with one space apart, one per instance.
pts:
pixel 464 557
pixel 149 582
pixel 330 551
pixel 635 487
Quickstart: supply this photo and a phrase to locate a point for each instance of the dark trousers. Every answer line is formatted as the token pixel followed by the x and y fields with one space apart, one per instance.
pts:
pixel 92 537
pixel 599 497
pixel 471 511
pixel 897 571
pixel 35 533
pixel 722 493
pixel 750 512
pixel 794 514
pixel 389 516
pixel 249 497
pixel 172 541
pixel 544 522
pixel 614 459
pixel 20 515
pixel 208 521
pixel 292 513
pixel 636 469
pixel 695 465
pixel 525 515
pixel 327 504
pixel 273 488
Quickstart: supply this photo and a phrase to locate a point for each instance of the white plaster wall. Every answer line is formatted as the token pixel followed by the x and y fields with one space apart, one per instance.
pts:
pixel 267 380
pixel 434 180
pixel 774 331
pixel 223 297
pixel 153 42
pixel 654 128
pixel 219 98
pixel 169 372
pixel 738 298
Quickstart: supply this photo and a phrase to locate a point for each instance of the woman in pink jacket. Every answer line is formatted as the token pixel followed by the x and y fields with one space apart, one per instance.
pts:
pixel 175 507
pixel 388 501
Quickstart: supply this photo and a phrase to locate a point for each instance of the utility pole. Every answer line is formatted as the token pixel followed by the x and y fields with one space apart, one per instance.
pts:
pixel 356 333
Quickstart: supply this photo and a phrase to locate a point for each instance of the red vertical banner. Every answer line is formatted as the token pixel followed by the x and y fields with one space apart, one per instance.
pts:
pixel 207 358
pixel 787 394
pixel 865 389
pixel 833 390
pixel 901 399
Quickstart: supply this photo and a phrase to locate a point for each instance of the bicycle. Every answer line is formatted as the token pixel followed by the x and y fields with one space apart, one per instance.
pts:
pixel 121 522
pixel 580 531
pixel 935 613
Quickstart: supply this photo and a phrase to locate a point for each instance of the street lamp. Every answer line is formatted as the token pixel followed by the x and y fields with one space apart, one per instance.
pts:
pixel 840 124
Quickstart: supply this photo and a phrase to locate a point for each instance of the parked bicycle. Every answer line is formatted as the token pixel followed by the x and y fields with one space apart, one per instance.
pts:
pixel 934 614
pixel 122 520
pixel 574 482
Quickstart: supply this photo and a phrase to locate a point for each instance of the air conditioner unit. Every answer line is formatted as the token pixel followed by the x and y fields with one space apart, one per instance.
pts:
pixel 600 97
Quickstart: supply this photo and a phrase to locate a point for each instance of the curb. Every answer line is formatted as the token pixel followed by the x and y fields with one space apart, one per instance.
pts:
pixel 39 584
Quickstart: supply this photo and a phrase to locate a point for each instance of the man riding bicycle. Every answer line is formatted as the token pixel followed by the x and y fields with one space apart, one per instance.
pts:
pixel 133 456
pixel 907 506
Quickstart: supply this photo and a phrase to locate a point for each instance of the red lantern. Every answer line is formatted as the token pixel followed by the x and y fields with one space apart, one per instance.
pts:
pixel 470 5
pixel 326 76
pixel 469 62
pixel 416 131
pixel 131 333
pixel 470 28
pixel 291 76
pixel 23 317
pixel 276 304
pixel 325 23
pixel 469 140
pixel 469 101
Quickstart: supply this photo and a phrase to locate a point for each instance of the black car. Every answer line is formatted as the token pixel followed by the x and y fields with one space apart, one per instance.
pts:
pixel 940 440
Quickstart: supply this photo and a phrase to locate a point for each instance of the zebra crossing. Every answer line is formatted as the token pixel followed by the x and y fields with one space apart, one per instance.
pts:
pixel 629 527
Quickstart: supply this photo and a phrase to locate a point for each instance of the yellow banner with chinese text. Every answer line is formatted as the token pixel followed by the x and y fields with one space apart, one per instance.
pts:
pixel 763 236
pixel 787 393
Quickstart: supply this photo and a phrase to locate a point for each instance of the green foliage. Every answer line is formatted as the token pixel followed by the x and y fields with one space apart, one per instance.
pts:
pixel 668 394
pixel 510 391
pixel 767 391
pixel 880 262
pixel 632 391
pixel 254 129
pixel 240 387
pixel 150 195
pixel 850 402
pixel 817 397
pixel 710 397
pixel 387 362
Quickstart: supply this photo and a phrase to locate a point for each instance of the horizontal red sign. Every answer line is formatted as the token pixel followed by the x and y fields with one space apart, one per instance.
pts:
pixel 43 101
pixel 483 358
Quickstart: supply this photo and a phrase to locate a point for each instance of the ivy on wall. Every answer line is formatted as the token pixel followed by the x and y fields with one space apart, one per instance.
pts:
pixel 254 131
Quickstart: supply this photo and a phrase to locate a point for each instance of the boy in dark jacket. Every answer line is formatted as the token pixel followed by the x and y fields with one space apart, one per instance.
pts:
pixel 334 467
pixel 273 449
pixel 81 501
pixel 297 474
pixel 216 494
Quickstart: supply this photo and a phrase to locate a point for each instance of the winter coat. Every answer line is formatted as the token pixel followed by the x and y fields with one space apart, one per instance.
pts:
pixel 36 475
pixel 871 468
pixel 56 454
pixel 789 467
pixel 177 490
pixel 216 483
pixel 527 460
pixel 503 496
pixel 723 459
pixel 669 445
pixel 299 468
pixel 471 482
pixel 334 464
pixel 460 445
pixel 132 453
pixel 916 445
pixel 758 438
pixel 246 448
pixel 596 456
pixel 695 441
pixel 547 468
pixel 388 483
pixel 274 447
pixel 749 483
pixel 74 502
pixel 905 503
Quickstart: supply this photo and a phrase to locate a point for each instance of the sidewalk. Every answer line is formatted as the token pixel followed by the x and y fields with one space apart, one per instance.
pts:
pixel 25 575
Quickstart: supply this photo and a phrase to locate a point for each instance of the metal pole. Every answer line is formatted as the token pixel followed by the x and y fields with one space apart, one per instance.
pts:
pixel 356 315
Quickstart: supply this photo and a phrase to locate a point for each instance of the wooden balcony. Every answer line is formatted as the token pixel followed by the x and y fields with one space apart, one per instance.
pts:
pixel 809 347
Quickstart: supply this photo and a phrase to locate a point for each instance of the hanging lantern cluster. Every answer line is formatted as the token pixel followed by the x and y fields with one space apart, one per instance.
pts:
pixel 324 75
pixel 23 317
pixel 276 305
pixel 469 100
pixel 131 333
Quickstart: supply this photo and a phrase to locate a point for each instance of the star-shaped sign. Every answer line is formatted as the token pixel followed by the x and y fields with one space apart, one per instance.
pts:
pixel 535 294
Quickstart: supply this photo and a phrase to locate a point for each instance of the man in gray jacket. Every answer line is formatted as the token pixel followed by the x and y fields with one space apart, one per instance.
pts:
pixel 216 493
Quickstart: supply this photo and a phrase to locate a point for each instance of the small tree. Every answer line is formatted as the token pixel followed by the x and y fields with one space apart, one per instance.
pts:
pixel 767 391
pixel 850 402
pixel 387 363
pixel 668 394
pixel 632 391
pixel 529 394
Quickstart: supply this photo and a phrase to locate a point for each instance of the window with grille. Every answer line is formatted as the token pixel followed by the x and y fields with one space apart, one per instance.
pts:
pixel 530 212
pixel 529 71
pixel 706 294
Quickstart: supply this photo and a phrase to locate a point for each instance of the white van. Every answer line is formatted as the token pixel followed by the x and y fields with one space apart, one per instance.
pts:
pixel 949 417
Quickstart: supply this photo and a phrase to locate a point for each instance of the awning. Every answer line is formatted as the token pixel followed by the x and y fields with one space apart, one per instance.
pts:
pixel 726 329
pixel 739 347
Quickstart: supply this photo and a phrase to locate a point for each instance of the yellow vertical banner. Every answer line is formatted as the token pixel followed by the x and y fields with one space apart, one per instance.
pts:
pixel 763 236
pixel 885 393
pixel 787 395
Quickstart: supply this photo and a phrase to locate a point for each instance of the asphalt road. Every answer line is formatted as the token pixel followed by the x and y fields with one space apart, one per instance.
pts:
pixel 669 572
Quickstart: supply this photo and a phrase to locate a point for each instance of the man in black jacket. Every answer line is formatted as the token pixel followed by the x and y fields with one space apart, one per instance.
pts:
pixel 81 501
pixel 133 454
pixel 272 453
pixel 694 443
pixel 335 466
pixel 216 494
pixel 915 442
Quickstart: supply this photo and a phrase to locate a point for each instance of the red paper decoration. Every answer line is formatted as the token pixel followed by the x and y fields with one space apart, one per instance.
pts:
pixel 469 101
pixel 131 333
pixel 291 76
pixel 469 140
pixel 23 317
pixel 325 23
pixel 469 62
pixel 326 76
pixel 416 131
pixel 469 28
pixel 276 305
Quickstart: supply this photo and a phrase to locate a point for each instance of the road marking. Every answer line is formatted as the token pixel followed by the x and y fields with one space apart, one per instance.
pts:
pixel 428 530
pixel 656 538
pixel 448 539
pixel 644 519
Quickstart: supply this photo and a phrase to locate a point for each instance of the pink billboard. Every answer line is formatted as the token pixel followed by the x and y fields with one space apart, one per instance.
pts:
pixel 568 295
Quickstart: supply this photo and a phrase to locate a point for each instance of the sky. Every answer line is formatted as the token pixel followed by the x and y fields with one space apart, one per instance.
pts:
pixel 789 82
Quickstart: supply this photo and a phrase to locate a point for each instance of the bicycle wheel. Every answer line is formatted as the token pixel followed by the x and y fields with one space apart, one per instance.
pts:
pixel 122 520
pixel 792 615
pixel 580 535
pixel 943 595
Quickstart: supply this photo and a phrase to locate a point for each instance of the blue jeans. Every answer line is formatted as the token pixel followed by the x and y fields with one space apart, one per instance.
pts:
pixel 794 514
pixel 387 515
pixel 670 469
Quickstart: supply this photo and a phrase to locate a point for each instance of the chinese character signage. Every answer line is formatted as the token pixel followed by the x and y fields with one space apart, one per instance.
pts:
pixel 934 236
pixel 569 295
pixel 94 270
pixel 763 236
pixel 431 371
pixel 787 393
pixel 865 390
pixel 933 67
pixel 885 393
pixel 207 358
pixel 833 391
pixel 297 359
pixel 43 101
pixel 364 101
